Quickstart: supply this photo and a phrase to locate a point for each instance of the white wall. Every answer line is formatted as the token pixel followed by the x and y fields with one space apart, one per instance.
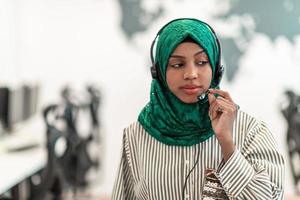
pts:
pixel 57 42
pixel 8 41
pixel 77 42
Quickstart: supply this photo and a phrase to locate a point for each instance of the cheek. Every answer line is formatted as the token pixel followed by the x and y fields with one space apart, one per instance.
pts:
pixel 171 78
pixel 209 77
pixel 168 79
pixel 207 74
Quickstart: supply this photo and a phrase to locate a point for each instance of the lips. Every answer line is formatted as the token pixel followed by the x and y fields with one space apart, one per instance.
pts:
pixel 190 89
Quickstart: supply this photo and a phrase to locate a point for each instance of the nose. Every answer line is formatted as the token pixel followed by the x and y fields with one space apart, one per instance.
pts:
pixel 190 72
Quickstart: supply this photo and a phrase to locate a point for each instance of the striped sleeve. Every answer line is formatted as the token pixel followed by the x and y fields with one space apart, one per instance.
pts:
pixel 124 186
pixel 256 171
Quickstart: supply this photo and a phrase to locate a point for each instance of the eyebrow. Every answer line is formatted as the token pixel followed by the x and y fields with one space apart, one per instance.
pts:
pixel 178 56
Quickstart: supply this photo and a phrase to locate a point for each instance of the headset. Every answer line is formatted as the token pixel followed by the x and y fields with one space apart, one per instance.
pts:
pixel 155 72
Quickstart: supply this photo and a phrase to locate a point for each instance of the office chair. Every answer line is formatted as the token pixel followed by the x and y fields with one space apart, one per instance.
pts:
pixel 52 181
pixel 292 115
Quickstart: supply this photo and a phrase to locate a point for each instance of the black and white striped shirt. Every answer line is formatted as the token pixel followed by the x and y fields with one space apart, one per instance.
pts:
pixel 151 170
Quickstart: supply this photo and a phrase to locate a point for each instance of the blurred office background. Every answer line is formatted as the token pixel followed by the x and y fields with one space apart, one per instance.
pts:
pixel 54 44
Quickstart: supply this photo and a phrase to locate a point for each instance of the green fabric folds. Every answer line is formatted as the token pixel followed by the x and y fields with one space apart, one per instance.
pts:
pixel 165 117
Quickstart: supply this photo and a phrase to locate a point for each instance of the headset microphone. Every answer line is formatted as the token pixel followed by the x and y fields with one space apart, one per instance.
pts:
pixel 203 95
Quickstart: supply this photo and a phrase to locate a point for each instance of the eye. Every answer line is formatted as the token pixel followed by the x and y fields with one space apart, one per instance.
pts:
pixel 202 62
pixel 176 65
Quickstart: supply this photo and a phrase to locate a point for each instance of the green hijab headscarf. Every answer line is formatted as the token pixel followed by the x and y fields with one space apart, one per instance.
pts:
pixel 165 117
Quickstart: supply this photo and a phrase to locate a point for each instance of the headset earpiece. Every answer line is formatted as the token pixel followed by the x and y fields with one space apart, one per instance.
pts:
pixel 219 74
pixel 153 71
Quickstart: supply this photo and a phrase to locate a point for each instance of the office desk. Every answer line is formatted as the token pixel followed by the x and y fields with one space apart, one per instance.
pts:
pixel 17 166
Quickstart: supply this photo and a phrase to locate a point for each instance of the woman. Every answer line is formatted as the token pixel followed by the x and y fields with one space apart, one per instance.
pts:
pixel 191 141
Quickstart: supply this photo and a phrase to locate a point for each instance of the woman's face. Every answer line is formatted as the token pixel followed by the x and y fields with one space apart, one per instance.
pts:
pixel 189 73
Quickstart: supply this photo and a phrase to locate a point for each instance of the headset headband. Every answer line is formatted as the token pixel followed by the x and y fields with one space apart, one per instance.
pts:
pixel 219 68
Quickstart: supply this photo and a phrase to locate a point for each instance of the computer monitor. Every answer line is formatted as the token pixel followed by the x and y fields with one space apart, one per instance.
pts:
pixel 31 94
pixel 11 106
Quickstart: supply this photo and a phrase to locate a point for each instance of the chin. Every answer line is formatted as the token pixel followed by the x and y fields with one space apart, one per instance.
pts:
pixel 189 100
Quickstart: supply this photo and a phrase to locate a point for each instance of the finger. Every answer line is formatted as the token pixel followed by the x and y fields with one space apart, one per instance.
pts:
pixel 212 101
pixel 226 106
pixel 222 93
pixel 220 98
pixel 211 98
pixel 214 112
pixel 221 106
pixel 218 108
pixel 234 105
